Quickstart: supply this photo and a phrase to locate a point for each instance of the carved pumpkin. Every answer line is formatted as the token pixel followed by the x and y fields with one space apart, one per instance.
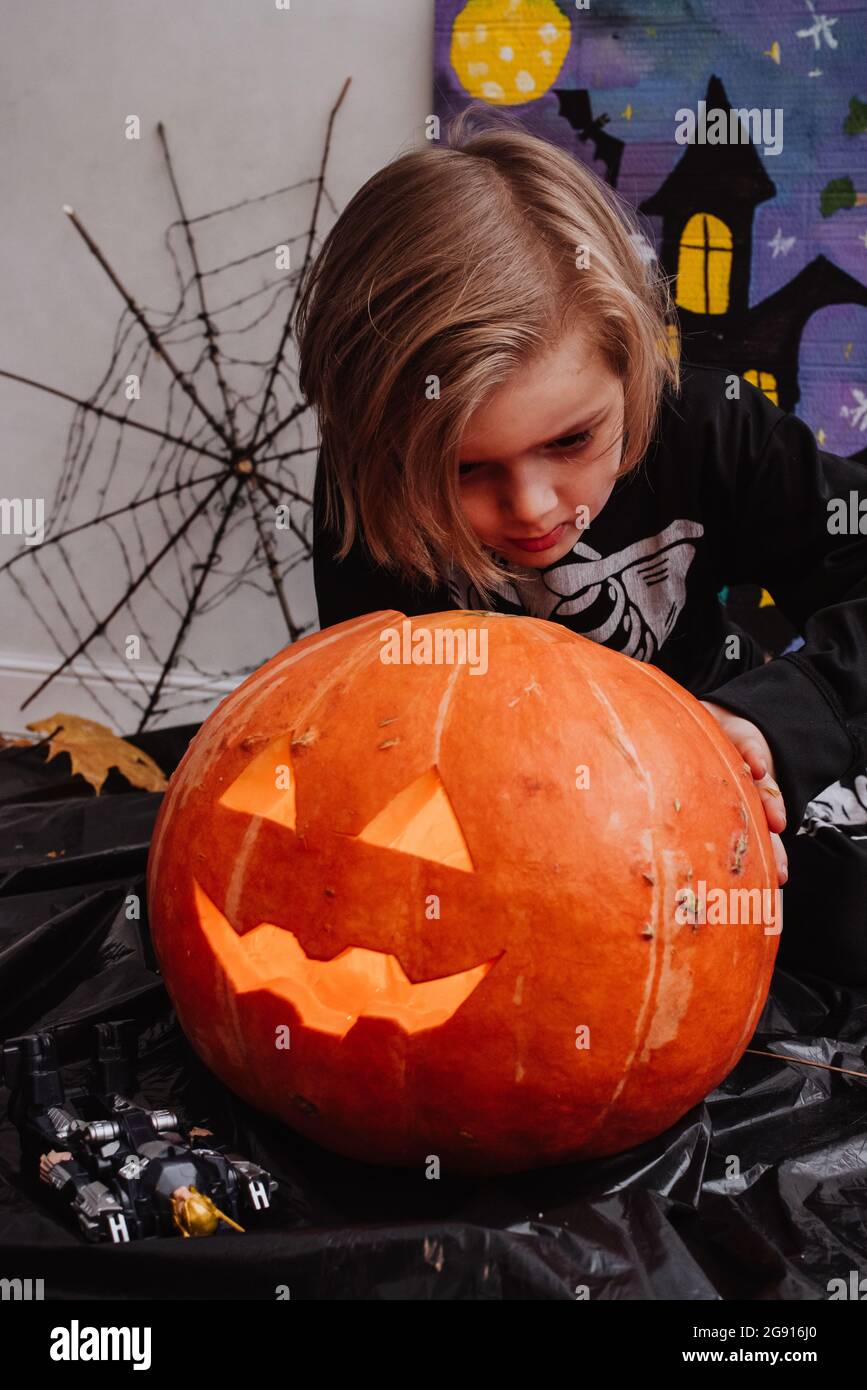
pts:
pixel 414 909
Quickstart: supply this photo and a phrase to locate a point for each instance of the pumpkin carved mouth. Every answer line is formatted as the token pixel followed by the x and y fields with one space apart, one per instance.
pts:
pixel 332 995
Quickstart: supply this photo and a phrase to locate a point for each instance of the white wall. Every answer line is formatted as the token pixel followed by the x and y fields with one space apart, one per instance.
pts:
pixel 244 91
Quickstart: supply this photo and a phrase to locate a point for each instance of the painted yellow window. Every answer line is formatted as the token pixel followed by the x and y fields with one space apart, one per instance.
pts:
pixel 704 265
pixel 766 381
pixel 671 342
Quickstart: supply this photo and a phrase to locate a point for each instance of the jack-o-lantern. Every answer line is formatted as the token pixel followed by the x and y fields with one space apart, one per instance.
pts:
pixel 418 903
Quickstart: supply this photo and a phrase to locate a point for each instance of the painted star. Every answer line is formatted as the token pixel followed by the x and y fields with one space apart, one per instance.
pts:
pixel 819 29
pixel 856 414
pixel 781 245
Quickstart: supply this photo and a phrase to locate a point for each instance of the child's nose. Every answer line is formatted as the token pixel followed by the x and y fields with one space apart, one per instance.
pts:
pixel 530 500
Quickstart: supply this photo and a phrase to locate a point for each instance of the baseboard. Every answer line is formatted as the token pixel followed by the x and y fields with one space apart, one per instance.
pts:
pixel 20 673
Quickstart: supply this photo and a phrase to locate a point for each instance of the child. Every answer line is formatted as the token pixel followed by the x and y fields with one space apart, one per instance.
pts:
pixel 506 425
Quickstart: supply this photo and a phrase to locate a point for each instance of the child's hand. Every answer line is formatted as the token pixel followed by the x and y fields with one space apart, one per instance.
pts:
pixel 753 748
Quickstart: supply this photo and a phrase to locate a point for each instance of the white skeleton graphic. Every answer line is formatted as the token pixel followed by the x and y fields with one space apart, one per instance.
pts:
pixel 630 600
pixel 842 806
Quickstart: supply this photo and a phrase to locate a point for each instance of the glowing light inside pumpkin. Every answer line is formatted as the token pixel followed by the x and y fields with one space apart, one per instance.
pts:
pixel 420 820
pixel 332 995
pixel 267 787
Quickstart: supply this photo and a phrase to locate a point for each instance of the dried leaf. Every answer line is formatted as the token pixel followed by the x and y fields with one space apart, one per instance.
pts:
pixel 93 749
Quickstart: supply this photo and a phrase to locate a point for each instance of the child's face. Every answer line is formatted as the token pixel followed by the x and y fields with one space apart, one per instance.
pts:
pixel 524 473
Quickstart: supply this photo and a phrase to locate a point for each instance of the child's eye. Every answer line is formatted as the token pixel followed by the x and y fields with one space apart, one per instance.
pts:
pixel 570 441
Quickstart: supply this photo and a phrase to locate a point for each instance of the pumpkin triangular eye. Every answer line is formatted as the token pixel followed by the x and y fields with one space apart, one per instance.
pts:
pixel 421 820
pixel 267 786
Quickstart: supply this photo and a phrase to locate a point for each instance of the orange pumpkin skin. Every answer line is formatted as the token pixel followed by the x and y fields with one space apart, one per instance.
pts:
pixel 432 819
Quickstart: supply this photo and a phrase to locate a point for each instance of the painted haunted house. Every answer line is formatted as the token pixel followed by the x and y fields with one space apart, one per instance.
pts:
pixel 707 205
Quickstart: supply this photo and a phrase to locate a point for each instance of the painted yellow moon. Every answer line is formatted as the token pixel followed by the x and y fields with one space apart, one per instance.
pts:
pixel 509 51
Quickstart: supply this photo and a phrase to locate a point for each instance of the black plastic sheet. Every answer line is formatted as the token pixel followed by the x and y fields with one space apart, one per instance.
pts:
pixel 758 1193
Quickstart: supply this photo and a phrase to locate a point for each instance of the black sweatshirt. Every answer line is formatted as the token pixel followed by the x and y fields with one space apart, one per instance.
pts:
pixel 729 492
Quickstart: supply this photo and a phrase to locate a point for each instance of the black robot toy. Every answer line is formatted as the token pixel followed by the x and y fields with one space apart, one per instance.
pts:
pixel 125 1172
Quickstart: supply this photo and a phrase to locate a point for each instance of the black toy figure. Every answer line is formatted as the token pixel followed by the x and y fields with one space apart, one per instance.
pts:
pixel 126 1173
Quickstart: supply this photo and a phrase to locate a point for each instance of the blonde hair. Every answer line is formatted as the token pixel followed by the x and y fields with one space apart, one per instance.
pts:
pixel 459 263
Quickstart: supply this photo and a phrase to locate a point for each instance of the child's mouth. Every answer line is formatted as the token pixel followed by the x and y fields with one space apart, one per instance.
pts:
pixel 539 542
